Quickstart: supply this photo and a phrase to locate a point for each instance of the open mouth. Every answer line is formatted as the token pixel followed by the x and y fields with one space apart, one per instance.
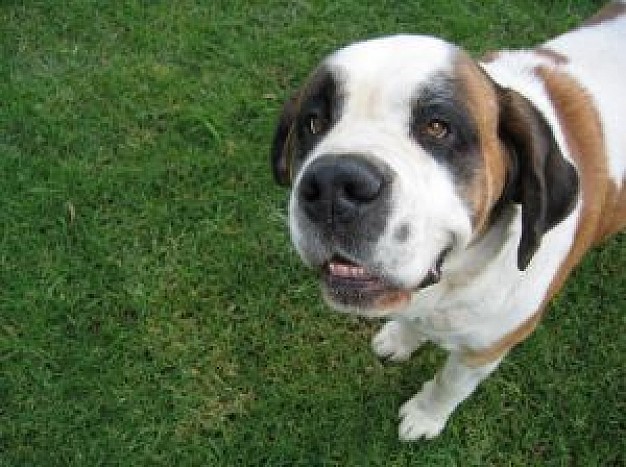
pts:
pixel 353 285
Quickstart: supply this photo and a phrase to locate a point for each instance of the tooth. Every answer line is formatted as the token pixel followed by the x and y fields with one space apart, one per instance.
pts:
pixel 347 270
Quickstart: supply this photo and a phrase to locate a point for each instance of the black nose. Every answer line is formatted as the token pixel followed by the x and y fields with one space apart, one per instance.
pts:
pixel 340 188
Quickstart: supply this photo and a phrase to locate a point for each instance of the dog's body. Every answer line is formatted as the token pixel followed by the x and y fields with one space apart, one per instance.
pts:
pixel 455 197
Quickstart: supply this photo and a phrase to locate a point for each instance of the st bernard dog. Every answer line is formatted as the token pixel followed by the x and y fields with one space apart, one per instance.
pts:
pixel 454 197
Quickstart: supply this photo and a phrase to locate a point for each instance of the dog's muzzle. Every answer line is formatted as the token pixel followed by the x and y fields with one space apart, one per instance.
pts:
pixel 344 202
pixel 343 205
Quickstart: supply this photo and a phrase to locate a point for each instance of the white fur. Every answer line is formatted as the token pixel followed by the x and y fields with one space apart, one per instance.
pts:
pixel 397 340
pixel 482 295
pixel 426 413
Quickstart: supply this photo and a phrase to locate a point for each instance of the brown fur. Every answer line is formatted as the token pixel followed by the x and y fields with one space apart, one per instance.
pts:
pixel 611 224
pixel 603 208
pixel 555 57
pixel 609 12
pixel 490 56
pixel 482 102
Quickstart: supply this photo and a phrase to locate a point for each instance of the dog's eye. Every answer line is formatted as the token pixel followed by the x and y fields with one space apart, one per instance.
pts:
pixel 437 129
pixel 316 124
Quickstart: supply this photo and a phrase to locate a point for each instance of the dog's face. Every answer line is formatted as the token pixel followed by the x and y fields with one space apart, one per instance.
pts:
pixel 394 149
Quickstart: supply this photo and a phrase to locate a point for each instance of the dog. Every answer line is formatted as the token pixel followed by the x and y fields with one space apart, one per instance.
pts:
pixel 453 197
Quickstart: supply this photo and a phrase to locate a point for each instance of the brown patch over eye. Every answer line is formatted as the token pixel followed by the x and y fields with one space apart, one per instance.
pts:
pixel 437 129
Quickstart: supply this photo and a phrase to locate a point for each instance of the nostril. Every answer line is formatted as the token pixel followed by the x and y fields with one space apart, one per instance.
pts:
pixel 310 190
pixel 363 189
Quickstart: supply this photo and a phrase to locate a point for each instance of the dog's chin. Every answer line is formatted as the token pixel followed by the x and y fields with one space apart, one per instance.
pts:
pixel 374 299
pixel 353 288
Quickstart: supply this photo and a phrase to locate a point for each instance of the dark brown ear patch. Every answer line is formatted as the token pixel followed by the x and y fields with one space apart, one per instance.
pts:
pixel 305 119
pixel 544 183
pixel 280 145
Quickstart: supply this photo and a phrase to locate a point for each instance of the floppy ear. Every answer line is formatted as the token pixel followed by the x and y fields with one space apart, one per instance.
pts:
pixel 541 180
pixel 281 157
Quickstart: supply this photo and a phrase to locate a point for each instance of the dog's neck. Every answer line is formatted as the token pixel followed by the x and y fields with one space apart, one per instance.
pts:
pixel 496 246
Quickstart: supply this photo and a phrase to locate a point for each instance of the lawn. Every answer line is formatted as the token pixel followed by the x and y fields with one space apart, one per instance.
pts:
pixel 152 310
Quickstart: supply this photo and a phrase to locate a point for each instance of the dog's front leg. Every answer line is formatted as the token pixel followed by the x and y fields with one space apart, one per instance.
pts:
pixel 397 340
pixel 426 413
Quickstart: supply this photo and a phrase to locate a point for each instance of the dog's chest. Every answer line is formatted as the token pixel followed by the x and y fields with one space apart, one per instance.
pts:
pixel 460 318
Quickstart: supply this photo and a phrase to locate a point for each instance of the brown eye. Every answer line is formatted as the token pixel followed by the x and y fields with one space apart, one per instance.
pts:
pixel 316 124
pixel 437 129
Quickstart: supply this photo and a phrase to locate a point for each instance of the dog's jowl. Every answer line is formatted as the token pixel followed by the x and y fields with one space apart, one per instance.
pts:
pixel 451 196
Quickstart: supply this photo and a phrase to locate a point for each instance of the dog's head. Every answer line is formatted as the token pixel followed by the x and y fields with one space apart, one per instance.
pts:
pixel 401 152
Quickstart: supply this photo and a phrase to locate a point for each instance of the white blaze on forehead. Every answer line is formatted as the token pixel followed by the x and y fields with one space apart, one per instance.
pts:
pixel 381 72
pixel 414 52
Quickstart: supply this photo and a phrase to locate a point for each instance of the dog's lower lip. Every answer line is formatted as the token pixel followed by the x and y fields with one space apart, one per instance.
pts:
pixel 352 284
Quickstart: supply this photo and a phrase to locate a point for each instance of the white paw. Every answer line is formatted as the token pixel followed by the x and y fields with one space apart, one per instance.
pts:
pixel 418 421
pixel 395 342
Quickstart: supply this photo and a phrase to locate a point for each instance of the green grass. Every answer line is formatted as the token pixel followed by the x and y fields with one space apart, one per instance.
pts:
pixel 152 311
